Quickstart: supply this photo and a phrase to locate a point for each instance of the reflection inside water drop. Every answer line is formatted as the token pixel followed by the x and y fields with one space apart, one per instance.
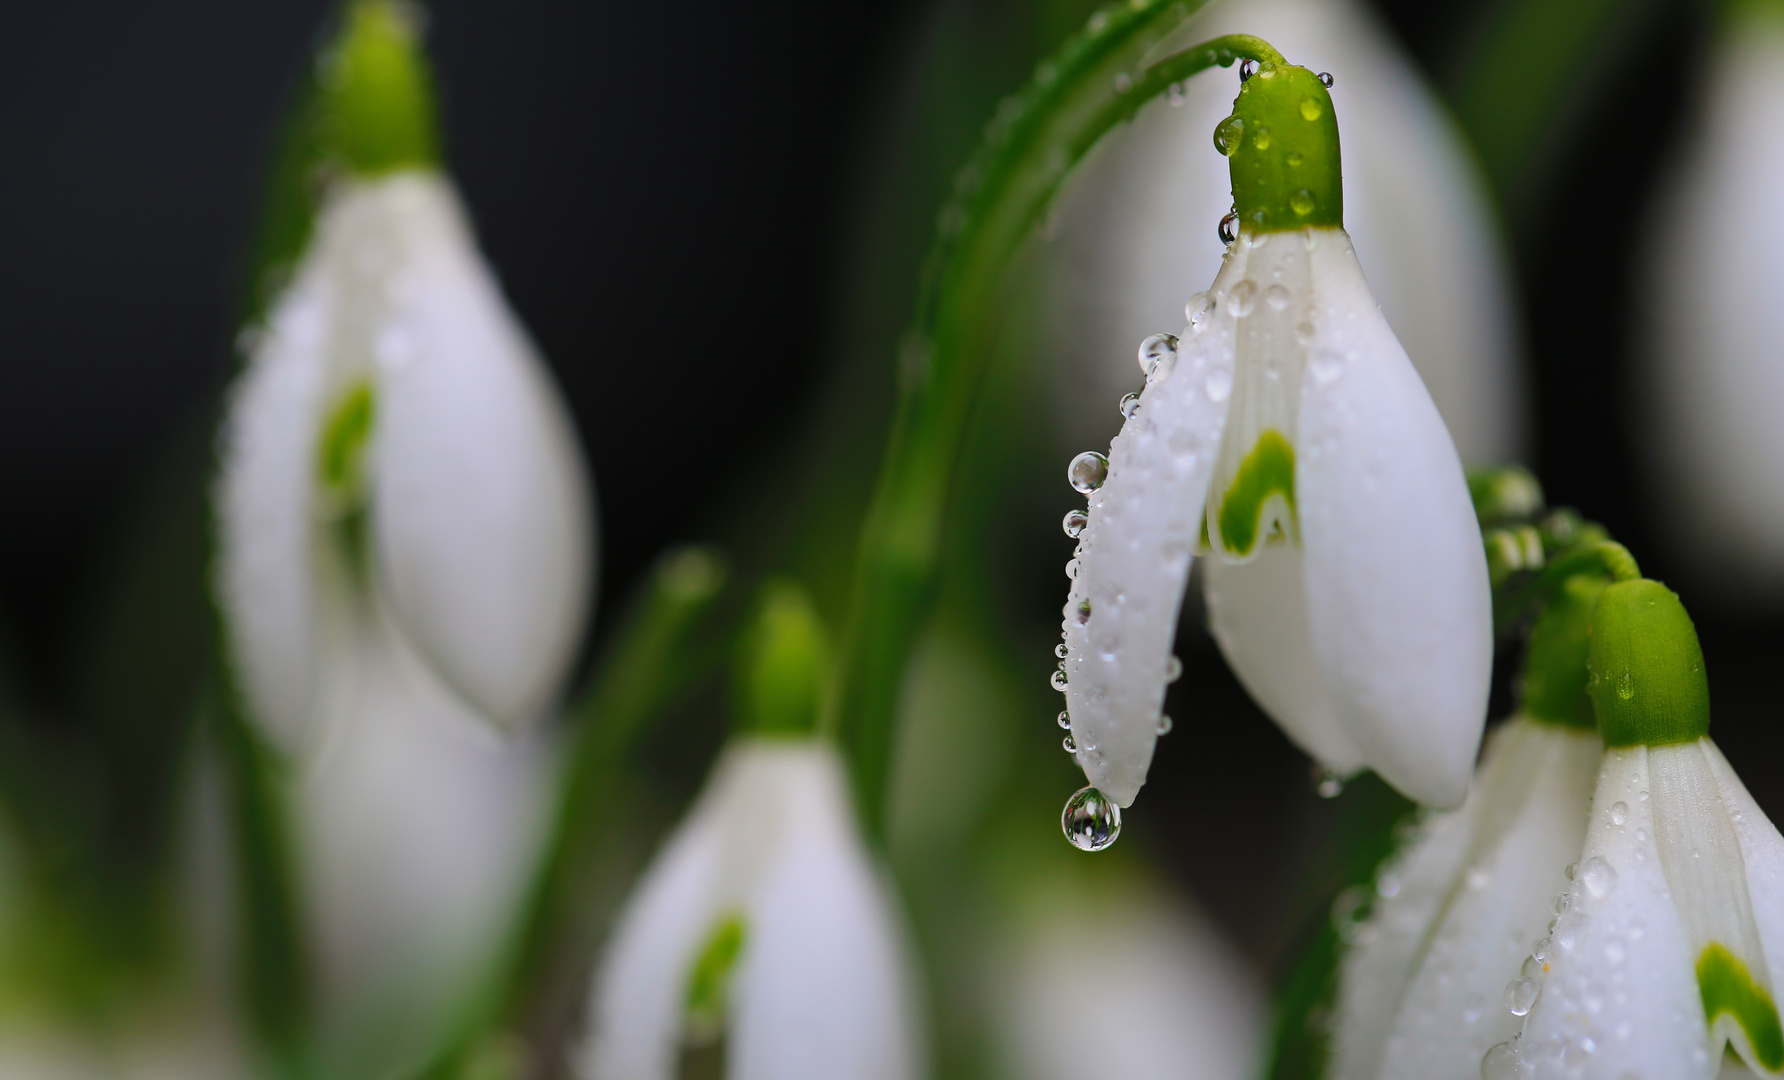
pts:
pixel 1091 822
pixel 1087 472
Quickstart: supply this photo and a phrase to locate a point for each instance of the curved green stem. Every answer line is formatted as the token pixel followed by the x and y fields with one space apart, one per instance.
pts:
pixel 1096 82
pixel 1606 557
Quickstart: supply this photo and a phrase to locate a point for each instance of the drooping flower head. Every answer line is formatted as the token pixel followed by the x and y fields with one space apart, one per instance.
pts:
pixel 1667 944
pixel 395 450
pixel 1285 435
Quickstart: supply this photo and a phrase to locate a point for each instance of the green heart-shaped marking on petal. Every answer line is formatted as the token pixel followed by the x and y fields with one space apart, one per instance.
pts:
pixel 1268 470
pixel 1728 987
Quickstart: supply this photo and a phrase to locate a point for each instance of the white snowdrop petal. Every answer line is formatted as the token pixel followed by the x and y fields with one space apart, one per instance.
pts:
pixel 1258 614
pixel 480 511
pixel 1121 615
pixel 820 990
pixel 1762 852
pixel 1421 994
pixel 265 512
pixel 1399 609
pixel 1621 991
pixel 1714 387
pixel 1137 230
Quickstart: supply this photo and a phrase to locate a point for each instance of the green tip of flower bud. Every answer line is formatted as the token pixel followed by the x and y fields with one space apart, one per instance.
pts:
pixel 1555 663
pixel 375 93
pixel 1504 493
pixel 1647 678
pixel 783 664
pixel 1282 140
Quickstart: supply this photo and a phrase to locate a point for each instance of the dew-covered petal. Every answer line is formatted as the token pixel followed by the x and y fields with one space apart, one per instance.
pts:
pixel 1398 604
pixel 266 528
pixel 1457 912
pixel 1121 615
pixel 480 507
pixel 1258 613
pixel 1620 995
pixel 1762 851
pixel 821 989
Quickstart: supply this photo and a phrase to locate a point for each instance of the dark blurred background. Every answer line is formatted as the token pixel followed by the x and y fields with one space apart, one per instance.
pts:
pixel 673 195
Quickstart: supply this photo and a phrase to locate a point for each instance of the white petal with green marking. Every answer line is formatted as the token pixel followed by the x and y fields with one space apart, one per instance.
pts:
pixel 1420 992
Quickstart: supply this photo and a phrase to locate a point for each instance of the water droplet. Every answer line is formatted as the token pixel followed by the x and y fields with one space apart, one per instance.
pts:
pixel 1500 1063
pixel 1533 968
pixel 1071 745
pixel 1229 228
pixel 1091 822
pixel 1087 472
pixel 1302 202
pixel 1061 651
pixel 1276 296
pixel 1228 134
pixel 1218 384
pixel 1326 365
pixel 1310 109
pixel 1619 813
pixel 1081 613
pixel 1164 724
pixel 1071 569
pixel 1130 405
pixel 1294 159
pixel 1075 522
pixel 1261 138
pixel 1155 350
pixel 1520 995
pixel 1176 94
pixel 1540 950
pixel 1327 784
pixel 1123 82
pixel 1325 79
pixel 1572 871
pixel 1197 309
pixel 1626 686
pixel 1247 68
pixel 1242 299
pixel 1303 332
pixel 1387 886
pixel 1561 903
pixel 1599 876
pixel 1057 681
pixel 1065 720
pixel 1173 669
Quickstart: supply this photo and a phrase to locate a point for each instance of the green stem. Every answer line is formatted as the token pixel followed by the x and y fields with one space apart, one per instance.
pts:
pixel 1096 82
pixel 1606 557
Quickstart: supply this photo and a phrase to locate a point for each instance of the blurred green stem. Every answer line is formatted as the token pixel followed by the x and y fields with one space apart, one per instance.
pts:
pixel 1097 81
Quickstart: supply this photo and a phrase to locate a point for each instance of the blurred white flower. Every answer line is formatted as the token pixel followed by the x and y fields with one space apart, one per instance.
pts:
pixel 1135 235
pixel 1667 941
pixel 763 935
pixel 1454 913
pixel 1715 342
pixel 1145 990
pixel 1347 585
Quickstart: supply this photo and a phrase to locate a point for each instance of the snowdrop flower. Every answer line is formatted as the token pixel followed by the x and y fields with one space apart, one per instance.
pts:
pixel 1137 232
pixel 1287 430
pixel 1667 943
pixel 395 450
pixel 1715 381
pixel 403 549
pixel 762 943
pixel 1455 910
pixel 1170 1001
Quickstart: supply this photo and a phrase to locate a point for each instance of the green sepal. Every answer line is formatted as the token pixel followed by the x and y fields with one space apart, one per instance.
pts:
pixel 375 100
pixel 1647 678
pixel 1282 139
pixel 1727 986
pixel 783 663
pixel 340 453
pixel 710 978
pixel 1269 469
pixel 1555 658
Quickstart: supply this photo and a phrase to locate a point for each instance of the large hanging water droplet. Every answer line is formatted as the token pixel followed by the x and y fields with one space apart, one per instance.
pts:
pixel 1228 135
pixel 1091 822
pixel 1229 228
pixel 1057 680
pixel 1173 669
pixel 1065 719
pixel 1075 522
pixel 1325 79
pixel 1520 995
pixel 1327 783
pixel 1087 472
pixel 1247 68
pixel 1130 405
pixel 1155 350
